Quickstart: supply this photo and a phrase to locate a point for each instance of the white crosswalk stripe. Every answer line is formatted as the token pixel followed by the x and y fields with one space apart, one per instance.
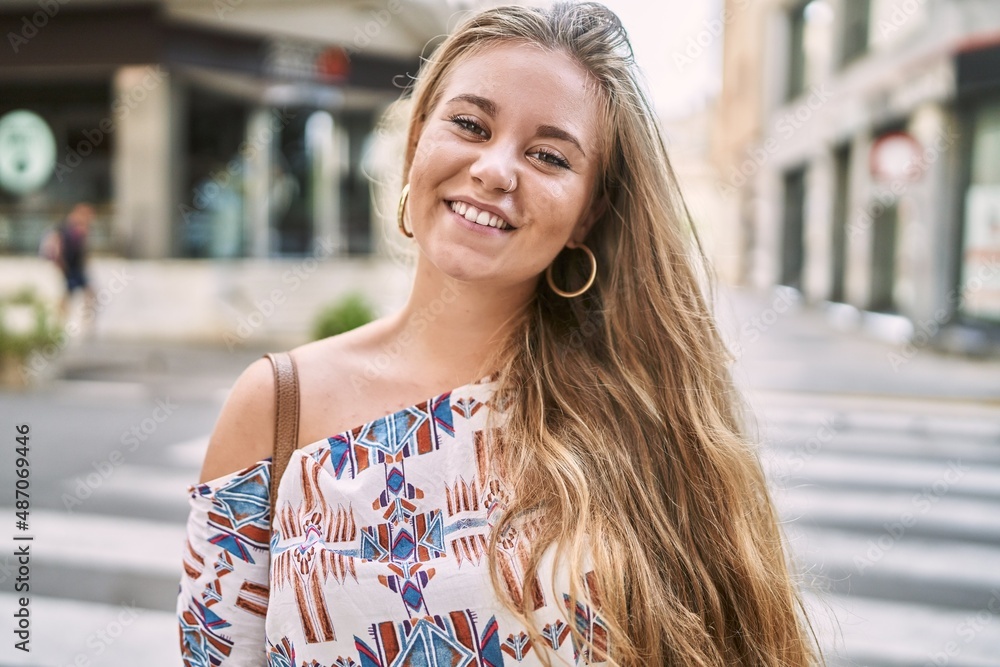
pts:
pixel 892 508
pixel 69 632
pixel 103 585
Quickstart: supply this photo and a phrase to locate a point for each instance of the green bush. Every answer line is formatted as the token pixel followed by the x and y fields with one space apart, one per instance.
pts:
pixel 350 312
pixel 17 345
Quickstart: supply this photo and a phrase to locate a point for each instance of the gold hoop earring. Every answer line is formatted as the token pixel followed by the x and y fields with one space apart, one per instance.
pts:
pixel 590 281
pixel 399 211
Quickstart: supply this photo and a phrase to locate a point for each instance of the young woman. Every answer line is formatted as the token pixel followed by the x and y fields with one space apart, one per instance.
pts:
pixel 578 488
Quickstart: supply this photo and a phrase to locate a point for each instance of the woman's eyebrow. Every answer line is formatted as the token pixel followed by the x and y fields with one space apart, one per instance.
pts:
pixel 488 106
pixel 553 132
pixel 491 109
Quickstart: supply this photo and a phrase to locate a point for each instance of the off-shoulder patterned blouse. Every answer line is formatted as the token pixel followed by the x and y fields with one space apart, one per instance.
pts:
pixel 377 556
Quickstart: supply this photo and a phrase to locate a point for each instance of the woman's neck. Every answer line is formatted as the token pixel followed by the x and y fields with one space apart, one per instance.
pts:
pixel 451 329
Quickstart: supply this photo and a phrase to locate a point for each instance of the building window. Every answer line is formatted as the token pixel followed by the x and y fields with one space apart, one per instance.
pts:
pixel 838 240
pixel 857 21
pixel 272 182
pixel 319 189
pixel 796 51
pixel 355 185
pixel 885 233
pixel 810 41
pixel 980 288
pixel 793 229
pixel 293 188
pixel 212 217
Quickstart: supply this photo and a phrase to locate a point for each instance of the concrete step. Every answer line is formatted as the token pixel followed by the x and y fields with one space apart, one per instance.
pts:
pixel 878 633
pixel 68 632
pixel 955 575
pixel 102 559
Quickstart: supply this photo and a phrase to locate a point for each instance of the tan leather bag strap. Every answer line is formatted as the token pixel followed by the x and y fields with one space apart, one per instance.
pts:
pixel 286 422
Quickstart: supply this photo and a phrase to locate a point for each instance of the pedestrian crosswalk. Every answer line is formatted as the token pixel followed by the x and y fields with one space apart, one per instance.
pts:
pixel 105 569
pixel 70 632
pixel 891 507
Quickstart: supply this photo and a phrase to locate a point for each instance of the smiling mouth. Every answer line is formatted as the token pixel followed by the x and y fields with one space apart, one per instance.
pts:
pixel 474 215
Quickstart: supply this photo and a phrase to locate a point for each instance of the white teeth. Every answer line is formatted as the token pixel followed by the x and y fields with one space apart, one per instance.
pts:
pixel 473 214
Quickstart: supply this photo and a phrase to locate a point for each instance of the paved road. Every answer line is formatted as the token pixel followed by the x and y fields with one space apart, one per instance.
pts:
pixel 893 512
pixel 114 446
pixel 888 478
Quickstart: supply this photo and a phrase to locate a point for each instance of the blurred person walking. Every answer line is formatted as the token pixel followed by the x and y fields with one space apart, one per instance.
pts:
pixel 67 247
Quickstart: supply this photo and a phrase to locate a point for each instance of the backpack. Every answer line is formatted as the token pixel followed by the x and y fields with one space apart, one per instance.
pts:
pixel 50 247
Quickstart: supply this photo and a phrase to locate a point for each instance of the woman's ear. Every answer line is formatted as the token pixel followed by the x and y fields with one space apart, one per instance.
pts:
pixel 412 139
pixel 594 213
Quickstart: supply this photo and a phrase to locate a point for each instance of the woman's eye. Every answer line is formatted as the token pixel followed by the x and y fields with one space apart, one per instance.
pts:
pixel 469 125
pixel 552 158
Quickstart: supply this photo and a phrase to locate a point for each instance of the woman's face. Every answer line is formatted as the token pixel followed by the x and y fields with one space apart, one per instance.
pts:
pixel 513 117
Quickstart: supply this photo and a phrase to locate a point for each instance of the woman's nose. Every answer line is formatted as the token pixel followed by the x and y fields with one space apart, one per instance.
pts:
pixel 495 168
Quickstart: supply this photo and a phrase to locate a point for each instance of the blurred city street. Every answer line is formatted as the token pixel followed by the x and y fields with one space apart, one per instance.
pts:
pixel 887 476
pixel 225 175
pixel 888 482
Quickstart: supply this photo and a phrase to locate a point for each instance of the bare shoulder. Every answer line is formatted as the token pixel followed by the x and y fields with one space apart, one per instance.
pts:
pixel 244 431
pixel 329 374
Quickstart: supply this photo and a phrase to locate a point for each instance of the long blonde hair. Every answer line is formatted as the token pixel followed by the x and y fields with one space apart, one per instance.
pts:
pixel 622 434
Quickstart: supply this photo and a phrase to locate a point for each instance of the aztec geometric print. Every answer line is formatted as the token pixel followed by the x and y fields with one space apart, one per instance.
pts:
pixel 439 640
pixel 237 524
pixel 409 432
pixel 409 519
pixel 306 552
pixel 241 513
pixel 315 542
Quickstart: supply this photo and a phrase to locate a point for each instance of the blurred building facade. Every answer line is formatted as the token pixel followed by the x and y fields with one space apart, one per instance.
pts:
pixel 859 147
pixel 208 129
pixel 233 130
